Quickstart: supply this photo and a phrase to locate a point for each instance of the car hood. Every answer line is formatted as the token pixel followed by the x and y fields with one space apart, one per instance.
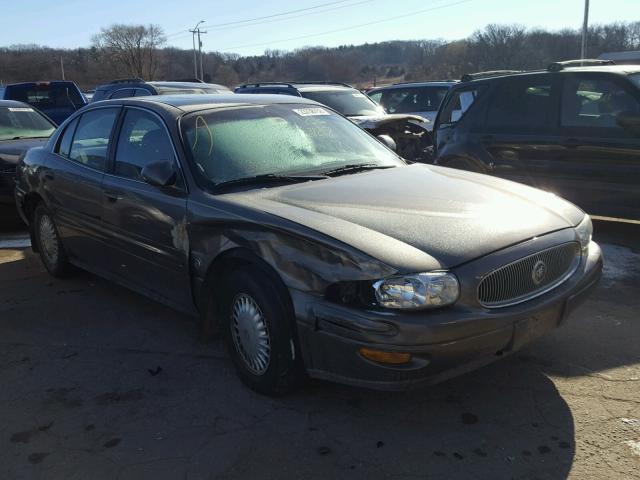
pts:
pixel 371 122
pixel 10 150
pixel 419 217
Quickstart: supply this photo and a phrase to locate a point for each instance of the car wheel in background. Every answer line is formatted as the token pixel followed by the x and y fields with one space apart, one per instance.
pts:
pixel 259 324
pixel 48 243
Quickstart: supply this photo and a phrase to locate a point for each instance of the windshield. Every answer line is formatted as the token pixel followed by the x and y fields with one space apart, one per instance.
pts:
pixel 280 139
pixel 46 95
pixel 350 103
pixel 635 78
pixel 413 99
pixel 23 122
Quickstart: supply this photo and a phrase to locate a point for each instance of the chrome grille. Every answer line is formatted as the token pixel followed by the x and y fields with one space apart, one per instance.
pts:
pixel 529 277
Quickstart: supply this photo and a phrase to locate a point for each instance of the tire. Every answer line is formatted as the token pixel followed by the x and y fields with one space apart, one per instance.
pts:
pixel 258 322
pixel 48 242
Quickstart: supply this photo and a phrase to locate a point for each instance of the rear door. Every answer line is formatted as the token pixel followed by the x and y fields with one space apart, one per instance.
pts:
pixel 599 168
pixel 147 225
pixel 73 183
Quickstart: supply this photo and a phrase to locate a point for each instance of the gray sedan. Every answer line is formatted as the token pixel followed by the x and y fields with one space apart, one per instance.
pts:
pixel 309 244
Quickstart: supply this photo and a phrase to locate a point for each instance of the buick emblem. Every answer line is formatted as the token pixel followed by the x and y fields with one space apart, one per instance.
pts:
pixel 539 272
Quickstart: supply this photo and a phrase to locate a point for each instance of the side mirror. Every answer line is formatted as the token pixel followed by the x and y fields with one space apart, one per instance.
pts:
pixel 629 121
pixel 162 173
pixel 388 141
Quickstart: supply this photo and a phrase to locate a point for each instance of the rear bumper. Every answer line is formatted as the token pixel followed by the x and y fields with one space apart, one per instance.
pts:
pixel 330 335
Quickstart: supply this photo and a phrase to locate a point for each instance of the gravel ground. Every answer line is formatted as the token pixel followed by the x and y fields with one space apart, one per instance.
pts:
pixel 98 382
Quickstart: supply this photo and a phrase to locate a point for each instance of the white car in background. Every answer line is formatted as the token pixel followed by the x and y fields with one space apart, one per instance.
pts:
pixel 419 98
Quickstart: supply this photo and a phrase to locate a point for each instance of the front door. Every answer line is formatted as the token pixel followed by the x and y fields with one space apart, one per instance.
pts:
pixel 149 246
pixel 521 133
pixel 599 168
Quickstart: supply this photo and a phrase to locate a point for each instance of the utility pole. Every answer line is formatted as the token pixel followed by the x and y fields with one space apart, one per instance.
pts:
pixel 201 77
pixel 195 30
pixel 62 68
pixel 585 31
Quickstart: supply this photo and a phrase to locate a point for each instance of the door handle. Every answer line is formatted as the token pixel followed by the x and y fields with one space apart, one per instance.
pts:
pixel 112 196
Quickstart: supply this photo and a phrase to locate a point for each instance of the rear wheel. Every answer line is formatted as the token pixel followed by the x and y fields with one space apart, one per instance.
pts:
pixel 48 242
pixel 260 332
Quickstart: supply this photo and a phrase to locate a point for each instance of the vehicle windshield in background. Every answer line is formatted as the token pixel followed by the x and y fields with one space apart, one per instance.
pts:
pixel 23 122
pixel 349 103
pixel 43 96
pixel 294 139
pixel 635 78
pixel 413 99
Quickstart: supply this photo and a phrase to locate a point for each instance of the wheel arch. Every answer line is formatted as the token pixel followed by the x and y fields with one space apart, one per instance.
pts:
pixel 29 205
pixel 211 287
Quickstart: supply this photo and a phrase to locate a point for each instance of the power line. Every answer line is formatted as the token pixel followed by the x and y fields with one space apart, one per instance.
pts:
pixel 216 29
pixel 278 14
pixel 237 22
pixel 390 19
pixel 295 16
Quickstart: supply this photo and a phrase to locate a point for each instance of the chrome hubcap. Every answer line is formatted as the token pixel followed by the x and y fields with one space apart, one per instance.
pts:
pixel 48 239
pixel 250 334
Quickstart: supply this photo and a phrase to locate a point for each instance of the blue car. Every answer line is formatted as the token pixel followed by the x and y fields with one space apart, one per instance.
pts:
pixel 57 99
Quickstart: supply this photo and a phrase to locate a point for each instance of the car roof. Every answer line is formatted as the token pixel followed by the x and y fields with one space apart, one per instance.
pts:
pixel 192 103
pixel 299 86
pixel 43 83
pixel 169 84
pixel 438 83
pixel 613 69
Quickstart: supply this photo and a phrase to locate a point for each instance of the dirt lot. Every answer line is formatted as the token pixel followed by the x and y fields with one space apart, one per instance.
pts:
pixel 97 382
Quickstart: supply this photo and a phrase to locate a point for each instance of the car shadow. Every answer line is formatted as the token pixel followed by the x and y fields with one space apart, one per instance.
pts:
pixel 99 379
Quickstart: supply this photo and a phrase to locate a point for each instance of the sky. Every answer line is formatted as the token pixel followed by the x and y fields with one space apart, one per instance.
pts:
pixel 72 23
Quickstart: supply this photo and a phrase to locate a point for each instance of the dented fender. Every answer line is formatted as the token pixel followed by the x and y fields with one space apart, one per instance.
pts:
pixel 307 262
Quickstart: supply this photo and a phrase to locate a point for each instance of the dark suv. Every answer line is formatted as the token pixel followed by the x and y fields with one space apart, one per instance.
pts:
pixel 574 131
pixel 136 87
pixel 403 132
pixel 57 99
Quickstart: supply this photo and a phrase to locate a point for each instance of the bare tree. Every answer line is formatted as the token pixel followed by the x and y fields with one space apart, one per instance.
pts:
pixel 131 49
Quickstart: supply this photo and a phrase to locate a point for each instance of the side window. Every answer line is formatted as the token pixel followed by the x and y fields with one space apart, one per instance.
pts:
pixel 376 97
pixel 64 144
pixel 122 93
pixel 595 103
pixel 143 139
pixel 522 103
pixel 458 104
pixel 91 140
pixel 141 92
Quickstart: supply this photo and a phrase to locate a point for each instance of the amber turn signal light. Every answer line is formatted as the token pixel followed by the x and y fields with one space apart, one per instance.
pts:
pixel 380 356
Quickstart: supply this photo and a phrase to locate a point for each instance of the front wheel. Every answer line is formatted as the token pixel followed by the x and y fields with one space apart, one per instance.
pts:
pixel 260 332
pixel 48 243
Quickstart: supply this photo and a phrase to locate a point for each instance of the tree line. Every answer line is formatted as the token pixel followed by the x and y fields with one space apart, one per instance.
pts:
pixel 140 51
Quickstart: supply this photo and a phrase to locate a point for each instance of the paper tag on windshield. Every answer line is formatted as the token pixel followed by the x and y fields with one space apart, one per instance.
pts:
pixel 358 95
pixel 20 109
pixel 311 111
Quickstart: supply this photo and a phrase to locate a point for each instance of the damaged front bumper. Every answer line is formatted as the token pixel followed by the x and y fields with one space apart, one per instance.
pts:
pixel 442 343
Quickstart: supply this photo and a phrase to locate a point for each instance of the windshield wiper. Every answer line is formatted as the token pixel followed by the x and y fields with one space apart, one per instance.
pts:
pixel 268 178
pixel 356 167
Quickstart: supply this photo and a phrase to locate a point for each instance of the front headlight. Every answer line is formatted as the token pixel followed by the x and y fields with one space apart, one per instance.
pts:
pixel 585 232
pixel 417 291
